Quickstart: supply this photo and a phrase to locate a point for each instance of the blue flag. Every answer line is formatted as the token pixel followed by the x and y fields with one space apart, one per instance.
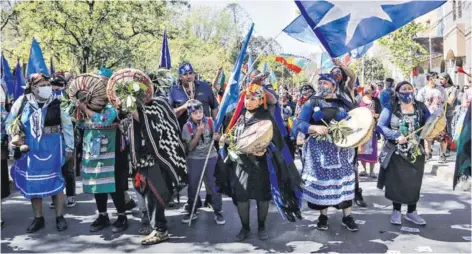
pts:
pixel 51 67
pixel 362 50
pixel 36 63
pixel 326 62
pixel 343 26
pixel 6 76
pixel 300 30
pixel 165 53
pixel 231 94
pixel 19 82
pixel 264 70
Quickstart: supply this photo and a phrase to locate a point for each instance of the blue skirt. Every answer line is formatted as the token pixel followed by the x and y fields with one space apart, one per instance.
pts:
pixel 37 174
pixel 328 173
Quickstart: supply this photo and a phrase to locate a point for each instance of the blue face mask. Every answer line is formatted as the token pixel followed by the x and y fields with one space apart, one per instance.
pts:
pixel 406 97
pixel 324 91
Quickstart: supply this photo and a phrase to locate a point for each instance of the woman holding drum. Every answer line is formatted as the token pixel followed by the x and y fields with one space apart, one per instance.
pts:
pixel 328 170
pixel 402 158
pixel 262 165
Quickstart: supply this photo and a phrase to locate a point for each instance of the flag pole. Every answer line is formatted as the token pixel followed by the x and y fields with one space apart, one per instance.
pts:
pixel 363 70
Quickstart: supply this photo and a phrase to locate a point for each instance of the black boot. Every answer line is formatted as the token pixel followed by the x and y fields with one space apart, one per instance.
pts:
pixel 100 223
pixel 121 224
pixel 243 234
pixel 38 223
pixel 61 223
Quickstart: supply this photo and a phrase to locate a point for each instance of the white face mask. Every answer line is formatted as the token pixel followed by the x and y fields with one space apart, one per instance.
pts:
pixel 45 92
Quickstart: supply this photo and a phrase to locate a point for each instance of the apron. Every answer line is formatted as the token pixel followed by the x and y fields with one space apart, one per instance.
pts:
pixel 98 160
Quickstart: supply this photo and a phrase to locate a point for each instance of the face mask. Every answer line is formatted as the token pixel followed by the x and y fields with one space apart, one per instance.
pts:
pixel 45 92
pixel 406 97
pixel 324 91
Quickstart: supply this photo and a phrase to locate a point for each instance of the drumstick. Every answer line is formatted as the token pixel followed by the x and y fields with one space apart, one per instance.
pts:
pixel 413 133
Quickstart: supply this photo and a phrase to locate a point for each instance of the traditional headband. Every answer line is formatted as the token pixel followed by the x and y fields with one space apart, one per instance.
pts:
pixel 328 77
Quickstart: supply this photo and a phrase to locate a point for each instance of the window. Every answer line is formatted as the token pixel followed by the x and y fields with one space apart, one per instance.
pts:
pixel 454 14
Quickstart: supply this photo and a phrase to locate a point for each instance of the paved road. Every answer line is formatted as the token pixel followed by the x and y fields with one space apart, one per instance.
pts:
pixel 447 213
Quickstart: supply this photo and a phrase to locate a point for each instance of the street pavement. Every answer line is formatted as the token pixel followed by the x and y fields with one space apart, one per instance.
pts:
pixel 447 212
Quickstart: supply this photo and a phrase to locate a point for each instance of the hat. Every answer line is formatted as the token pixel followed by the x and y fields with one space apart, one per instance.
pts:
pixel 400 84
pixel 185 68
pixel 328 77
pixel 36 78
pixel 105 72
pixel 194 105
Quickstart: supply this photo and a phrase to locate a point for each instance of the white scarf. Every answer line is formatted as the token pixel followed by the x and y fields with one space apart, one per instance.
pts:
pixel 36 118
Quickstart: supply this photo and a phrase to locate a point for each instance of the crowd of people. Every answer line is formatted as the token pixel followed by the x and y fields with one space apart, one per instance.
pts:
pixel 172 140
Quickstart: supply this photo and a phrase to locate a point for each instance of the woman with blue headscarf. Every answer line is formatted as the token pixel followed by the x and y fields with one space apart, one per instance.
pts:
pixel 328 170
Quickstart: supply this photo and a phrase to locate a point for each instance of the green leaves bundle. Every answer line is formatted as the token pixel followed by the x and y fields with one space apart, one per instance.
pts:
pixel 130 94
pixel 337 132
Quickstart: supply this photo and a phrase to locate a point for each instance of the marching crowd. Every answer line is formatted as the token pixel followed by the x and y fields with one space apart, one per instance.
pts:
pixel 166 141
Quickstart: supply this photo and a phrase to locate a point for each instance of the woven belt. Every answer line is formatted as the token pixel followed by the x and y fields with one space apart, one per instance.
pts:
pixel 51 129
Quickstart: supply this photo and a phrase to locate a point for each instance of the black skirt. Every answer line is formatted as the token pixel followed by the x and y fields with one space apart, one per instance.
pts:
pixel 252 179
pixel 403 179
pixel 121 165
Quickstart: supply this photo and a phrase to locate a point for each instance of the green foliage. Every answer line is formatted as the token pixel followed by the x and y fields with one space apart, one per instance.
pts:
pixel 403 48
pixel 85 35
pixel 373 69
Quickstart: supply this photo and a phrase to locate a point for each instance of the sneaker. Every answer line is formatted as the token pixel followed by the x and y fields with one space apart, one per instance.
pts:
pixel 349 223
pixel 100 223
pixel 220 220
pixel 262 234
pixel 243 234
pixel 363 173
pixel 51 205
pixel 120 225
pixel 322 222
pixel 130 205
pixel 442 158
pixel 155 237
pixel 429 156
pixel 37 224
pixel 373 175
pixel 70 201
pixel 61 223
pixel 448 152
pixel 186 218
pixel 396 218
pixel 415 218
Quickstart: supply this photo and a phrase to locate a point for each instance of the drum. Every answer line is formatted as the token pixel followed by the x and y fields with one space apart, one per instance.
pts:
pixel 123 77
pixel 89 88
pixel 434 126
pixel 256 138
pixel 362 123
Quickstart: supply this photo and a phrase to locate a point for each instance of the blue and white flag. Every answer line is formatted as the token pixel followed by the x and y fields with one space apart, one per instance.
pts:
pixel 342 26
pixel 36 63
pixel 300 30
pixel 231 94
pixel 6 75
pixel 361 51
pixel 20 83
pixel 165 53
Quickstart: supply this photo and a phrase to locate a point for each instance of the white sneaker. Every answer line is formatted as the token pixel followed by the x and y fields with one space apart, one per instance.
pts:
pixel 415 218
pixel 51 205
pixel 396 218
pixel 71 201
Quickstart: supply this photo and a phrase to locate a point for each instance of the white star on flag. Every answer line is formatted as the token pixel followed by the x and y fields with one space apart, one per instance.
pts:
pixel 358 11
